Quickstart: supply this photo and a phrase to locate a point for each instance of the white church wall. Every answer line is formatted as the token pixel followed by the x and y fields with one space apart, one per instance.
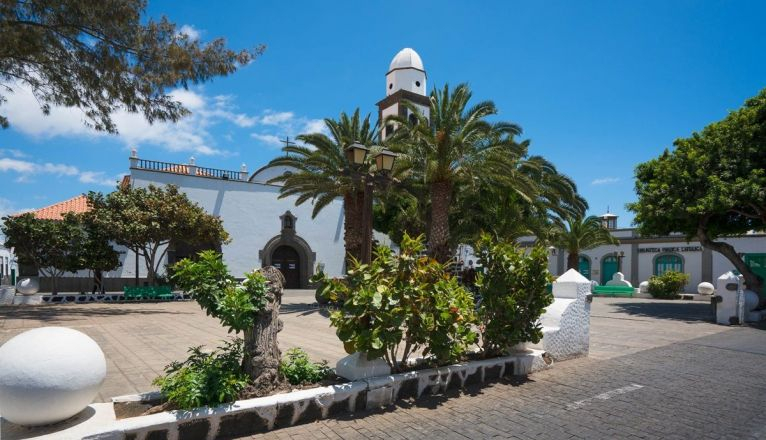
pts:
pixel 250 214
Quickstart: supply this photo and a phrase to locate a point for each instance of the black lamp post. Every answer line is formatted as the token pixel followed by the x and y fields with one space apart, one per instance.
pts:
pixel 356 154
pixel 620 256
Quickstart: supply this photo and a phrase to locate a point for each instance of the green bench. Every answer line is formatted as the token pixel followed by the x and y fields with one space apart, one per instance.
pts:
pixel 135 293
pixel 613 291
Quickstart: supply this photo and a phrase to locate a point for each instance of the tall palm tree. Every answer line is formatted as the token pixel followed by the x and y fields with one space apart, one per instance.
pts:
pixel 457 143
pixel 498 207
pixel 319 171
pixel 578 233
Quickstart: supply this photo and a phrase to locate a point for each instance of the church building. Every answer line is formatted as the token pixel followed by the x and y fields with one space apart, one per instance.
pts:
pixel 264 229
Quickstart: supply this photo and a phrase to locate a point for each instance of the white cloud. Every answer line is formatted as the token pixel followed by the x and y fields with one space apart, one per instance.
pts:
pixel 268 139
pixel 188 134
pixel 315 126
pixel 12 152
pixel 278 125
pixel 276 118
pixel 7 208
pixel 19 166
pixel 99 178
pixel 192 134
pixel 190 31
pixel 605 180
pixel 26 170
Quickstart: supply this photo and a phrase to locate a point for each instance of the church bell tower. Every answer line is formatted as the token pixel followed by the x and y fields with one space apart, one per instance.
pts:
pixel 405 81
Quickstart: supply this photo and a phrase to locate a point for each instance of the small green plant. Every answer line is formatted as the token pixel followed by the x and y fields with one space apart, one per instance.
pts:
pixel 668 285
pixel 208 281
pixel 397 305
pixel 297 368
pixel 205 378
pixel 513 287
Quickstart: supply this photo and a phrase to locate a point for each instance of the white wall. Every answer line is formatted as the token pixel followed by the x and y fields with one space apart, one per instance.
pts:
pixel 250 214
pixel 406 79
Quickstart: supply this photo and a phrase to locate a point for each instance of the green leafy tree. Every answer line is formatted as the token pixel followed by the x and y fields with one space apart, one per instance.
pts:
pixel 52 247
pixel 513 286
pixel 398 305
pixel 103 56
pixel 250 307
pixel 576 233
pixel 712 185
pixel 147 220
pixel 320 172
pixel 457 143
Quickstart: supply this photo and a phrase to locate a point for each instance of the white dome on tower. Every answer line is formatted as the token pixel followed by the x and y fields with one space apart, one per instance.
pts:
pixel 406 59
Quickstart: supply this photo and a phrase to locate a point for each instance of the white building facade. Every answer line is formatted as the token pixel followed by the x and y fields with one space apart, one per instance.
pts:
pixel 264 229
pixel 639 258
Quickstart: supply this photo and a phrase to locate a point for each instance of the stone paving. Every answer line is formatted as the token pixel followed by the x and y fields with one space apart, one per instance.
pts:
pixel 656 368
pixel 712 387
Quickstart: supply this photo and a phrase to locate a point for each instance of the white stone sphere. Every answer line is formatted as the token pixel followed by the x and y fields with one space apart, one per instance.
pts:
pixel 643 287
pixel 705 288
pixel 48 375
pixel 28 286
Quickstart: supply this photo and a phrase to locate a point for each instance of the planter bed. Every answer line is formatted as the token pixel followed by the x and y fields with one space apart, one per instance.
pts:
pixel 252 416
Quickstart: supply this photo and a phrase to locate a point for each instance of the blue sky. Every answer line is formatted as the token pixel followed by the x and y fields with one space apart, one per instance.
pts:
pixel 597 86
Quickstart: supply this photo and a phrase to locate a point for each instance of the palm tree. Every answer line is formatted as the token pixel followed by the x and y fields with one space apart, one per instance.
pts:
pixel 578 233
pixel 457 144
pixel 319 171
pixel 525 202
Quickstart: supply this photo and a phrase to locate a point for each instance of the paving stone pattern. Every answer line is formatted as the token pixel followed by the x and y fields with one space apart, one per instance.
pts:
pixel 705 388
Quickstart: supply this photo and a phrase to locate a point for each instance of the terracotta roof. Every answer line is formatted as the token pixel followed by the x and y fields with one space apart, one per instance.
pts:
pixel 76 205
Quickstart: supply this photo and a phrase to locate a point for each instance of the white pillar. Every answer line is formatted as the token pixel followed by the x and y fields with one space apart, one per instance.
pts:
pixel 192 167
pixel 133 158
pixel 243 172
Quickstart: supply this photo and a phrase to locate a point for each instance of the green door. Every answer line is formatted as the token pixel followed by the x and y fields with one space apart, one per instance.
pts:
pixel 757 263
pixel 608 268
pixel 584 267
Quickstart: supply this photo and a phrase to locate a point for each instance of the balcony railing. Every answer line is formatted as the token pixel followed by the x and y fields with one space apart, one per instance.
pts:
pixel 188 169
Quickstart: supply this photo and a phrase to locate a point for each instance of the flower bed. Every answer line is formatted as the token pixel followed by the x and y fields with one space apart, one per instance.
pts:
pixel 263 414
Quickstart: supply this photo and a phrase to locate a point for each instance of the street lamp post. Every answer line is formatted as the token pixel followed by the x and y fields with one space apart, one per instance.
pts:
pixel 620 256
pixel 356 154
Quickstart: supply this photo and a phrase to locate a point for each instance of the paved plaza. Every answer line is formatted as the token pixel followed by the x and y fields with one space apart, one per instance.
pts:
pixel 657 369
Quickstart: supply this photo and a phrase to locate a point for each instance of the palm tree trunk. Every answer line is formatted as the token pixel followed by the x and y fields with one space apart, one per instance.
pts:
pixel 573 261
pixel 352 225
pixel 438 236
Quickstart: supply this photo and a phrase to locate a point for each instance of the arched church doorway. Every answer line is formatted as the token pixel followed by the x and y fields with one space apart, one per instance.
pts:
pixel 288 261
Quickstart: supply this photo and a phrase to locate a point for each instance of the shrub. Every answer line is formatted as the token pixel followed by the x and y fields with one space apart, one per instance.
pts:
pixel 205 378
pixel 513 287
pixel 297 368
pixel 667 285
pixel 397 305
pixel 208 282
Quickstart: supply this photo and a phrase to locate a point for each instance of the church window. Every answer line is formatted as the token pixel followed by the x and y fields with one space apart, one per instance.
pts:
pixel 417 83
pixel 389 130
pixel 390 86
pixel 413 119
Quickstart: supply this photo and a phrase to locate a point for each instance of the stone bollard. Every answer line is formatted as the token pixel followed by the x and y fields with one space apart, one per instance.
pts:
pixel 566 322
pixel 730 307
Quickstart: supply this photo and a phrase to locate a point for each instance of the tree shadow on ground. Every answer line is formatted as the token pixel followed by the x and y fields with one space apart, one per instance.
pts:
pixel 304 309
pixel 69 312
pixel 678 311
pixel 434 401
